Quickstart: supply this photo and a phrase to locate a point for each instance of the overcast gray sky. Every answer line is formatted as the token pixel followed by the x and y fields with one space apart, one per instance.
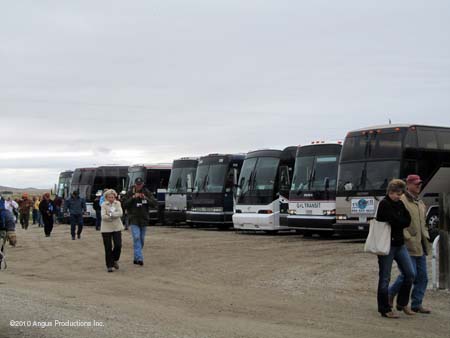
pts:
pixel 95 82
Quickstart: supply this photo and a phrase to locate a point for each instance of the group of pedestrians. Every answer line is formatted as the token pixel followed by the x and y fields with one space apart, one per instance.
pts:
pixel 402 209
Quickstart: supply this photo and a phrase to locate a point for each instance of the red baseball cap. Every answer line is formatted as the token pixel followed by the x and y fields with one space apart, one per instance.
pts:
pixel 414 179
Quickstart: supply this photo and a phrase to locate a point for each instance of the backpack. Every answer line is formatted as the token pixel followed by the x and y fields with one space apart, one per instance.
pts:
pixel 2 214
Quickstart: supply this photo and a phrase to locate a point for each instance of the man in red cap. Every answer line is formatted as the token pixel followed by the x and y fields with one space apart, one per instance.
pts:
pixel 417 242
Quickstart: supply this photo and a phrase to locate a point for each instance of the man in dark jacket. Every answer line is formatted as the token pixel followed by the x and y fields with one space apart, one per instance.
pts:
pixel 98 208
pixel 76 206
pixel 137 202
pixel 7 228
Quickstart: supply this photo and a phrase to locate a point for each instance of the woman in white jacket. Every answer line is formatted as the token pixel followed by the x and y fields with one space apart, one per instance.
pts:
pixel 111 229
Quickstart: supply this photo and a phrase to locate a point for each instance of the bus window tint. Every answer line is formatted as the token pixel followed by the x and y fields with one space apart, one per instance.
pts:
pixel 302 170
pixel 200 178
pixel 427 139
pixel 350 175
pixel 379 173
pixel 386 145
pixel 266 171
pixel 325 168
pixel 355 147
pixel 444 140
pixel 285 180
pixel 216 177
pixel 246 173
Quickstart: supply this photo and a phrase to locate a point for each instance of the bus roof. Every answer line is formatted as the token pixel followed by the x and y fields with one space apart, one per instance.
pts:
pixel 399 125
pixel 153 166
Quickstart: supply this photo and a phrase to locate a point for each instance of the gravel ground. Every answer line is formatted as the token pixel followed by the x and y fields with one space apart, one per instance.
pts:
pixel 201 283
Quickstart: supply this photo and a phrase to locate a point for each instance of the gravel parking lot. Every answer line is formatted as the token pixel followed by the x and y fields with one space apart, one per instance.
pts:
pixel 201 283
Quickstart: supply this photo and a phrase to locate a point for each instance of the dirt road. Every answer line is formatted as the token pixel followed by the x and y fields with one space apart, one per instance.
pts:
pixel 200 283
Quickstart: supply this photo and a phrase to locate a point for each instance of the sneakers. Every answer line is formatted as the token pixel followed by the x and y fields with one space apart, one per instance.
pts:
pixel 79 236
pixel 73 238
pixel 116 265
pixel 141 263
pixel 110 269
pixel 421 309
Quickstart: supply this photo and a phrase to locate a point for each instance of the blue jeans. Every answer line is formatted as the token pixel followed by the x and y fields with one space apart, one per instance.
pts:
pixel 401 256
pixel 419 264
pixel 138 233
pixel 74 221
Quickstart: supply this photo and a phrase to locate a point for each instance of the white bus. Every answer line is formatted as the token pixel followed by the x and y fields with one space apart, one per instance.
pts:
pixel 312 198
pixel 263 189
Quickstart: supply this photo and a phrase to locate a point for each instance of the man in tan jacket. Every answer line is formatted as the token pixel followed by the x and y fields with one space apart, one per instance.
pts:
pixel 417 242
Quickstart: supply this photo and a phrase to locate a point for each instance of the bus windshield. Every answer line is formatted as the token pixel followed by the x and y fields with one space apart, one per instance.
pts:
pixel 210 178
pixel 367 176
pixel 315 173
pixel 373 146
pixel 178 179
pixel 258 174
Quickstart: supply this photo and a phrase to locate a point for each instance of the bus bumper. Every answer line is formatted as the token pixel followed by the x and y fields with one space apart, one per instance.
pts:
pixel 351 227
pixel 309 222
pixel 213 218
pixel 253 221
pixel 174 216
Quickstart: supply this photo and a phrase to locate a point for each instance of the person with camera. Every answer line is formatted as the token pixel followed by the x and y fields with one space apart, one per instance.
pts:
pixel 111 229
pixel 137 201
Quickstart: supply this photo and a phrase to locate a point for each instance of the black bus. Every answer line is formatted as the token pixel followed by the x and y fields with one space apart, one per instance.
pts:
pixel 181 176
pixel 263 190
pixel 213 196
pixel 312 198
pixel 88 181
pixel 372 156
pixel 156 179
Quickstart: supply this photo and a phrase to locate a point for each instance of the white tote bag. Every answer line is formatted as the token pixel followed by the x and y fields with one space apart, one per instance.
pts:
pixel 378 241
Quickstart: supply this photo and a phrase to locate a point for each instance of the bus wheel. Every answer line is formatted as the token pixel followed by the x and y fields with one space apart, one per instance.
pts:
pixel 433 224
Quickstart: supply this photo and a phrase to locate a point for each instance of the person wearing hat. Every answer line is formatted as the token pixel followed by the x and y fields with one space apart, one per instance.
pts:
pixel 97 207
pixel 417 243
pixel 111 229
pixel 25 206
pixel 137 201
pixel 76 206
pixel 47 210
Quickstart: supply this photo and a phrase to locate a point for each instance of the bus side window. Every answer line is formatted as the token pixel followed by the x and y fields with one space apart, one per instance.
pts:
pixel 229 184
pixel 285 182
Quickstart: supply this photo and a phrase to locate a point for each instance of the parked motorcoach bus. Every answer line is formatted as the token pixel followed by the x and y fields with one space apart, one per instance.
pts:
pixel 156 179
pixel 312 197
pixel 181 177
pixel 63 187
pixel 371 157
pixel 213 196
pixel 263 190
pixel 88 181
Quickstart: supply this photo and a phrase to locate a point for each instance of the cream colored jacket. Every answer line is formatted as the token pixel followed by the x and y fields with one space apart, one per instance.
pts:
pixel 416 235
pixel 111 217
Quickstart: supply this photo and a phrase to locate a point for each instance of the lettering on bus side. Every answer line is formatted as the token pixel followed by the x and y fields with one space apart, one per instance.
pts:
pixel 308 205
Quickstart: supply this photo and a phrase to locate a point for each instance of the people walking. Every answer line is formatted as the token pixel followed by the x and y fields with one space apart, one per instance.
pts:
pixel 58 202
pixel 25 206
pixel 36 204
pixel 392 210
pixel 417 243
pixel 12 207
pixel 96 206
pixel 7 230
pixel 76 207
pixel 137 202
pixel 111 229
pixel 47 210
pixel 35 210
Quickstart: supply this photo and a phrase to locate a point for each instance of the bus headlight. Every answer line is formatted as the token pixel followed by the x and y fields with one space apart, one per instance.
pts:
pixel 292 212
pixel 341 217
pixel 329 212
pixel 217 209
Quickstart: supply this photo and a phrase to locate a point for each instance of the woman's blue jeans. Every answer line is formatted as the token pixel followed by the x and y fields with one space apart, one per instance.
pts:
pixel 401 256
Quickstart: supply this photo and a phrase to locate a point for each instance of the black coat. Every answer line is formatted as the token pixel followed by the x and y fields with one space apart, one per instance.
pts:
pixel 47 208
pixel 398 217
pixel 138 208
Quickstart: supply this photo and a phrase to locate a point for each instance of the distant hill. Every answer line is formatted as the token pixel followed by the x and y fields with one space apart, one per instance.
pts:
pixel 16 192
